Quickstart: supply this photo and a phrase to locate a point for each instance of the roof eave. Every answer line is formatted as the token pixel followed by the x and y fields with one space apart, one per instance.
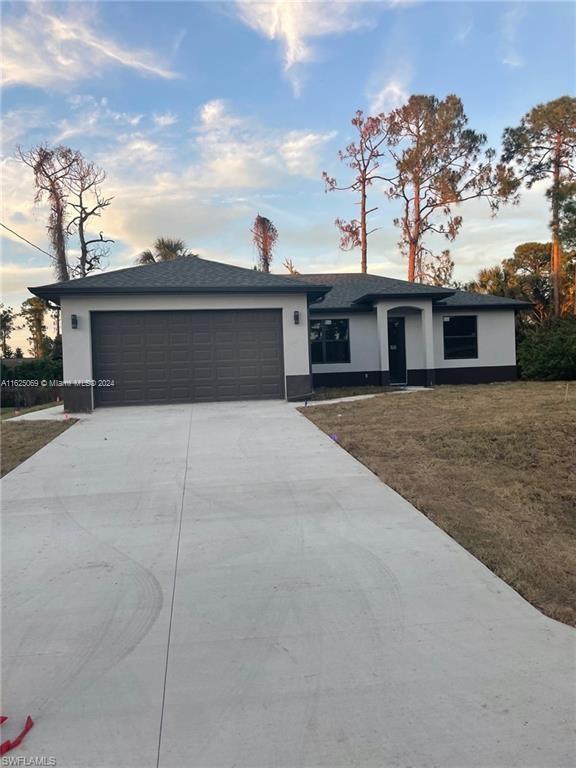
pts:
pixel 356 309
pixel 517 306
pixel 56 292
pixel 434 295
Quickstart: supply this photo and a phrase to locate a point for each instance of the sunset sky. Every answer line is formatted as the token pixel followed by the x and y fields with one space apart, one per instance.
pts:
pixel 205 114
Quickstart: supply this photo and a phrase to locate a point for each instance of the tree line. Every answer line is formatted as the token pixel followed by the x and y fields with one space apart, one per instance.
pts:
pixel 32 317
pixel 425 156
pixel 422 155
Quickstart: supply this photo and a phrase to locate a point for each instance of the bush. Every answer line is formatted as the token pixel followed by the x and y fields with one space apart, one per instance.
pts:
pixel 548 352
pixel 36 370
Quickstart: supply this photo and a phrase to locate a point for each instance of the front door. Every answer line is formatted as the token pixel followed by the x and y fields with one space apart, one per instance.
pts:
pixel 397 350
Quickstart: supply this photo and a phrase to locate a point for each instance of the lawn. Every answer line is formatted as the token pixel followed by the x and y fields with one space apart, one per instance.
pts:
pixel 21 439
pixel 493 465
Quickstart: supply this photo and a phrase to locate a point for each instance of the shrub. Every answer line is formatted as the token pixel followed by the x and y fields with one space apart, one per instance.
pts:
pixel 548 351
pixel 36 370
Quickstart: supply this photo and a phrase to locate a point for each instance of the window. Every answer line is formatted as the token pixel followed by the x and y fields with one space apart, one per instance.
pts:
pixel 460 337
pixel 329 341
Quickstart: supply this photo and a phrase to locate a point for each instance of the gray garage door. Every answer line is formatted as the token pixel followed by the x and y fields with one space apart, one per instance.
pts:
pixel 189 356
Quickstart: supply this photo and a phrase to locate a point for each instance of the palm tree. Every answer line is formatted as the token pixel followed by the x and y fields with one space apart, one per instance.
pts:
pixel 165 249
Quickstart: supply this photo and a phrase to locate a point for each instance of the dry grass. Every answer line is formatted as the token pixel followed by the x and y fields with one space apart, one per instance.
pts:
pixel 21 439
pixel 493 465
pixel 331 393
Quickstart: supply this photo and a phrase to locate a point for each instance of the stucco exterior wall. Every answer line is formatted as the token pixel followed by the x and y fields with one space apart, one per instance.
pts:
pixel 364 355
pixel 424 344
pixel 418 327
pixel 415 358
pixel 77 343
pixel 496 339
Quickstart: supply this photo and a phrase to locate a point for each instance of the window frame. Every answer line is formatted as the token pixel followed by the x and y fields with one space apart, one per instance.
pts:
pixel 447 355
pixel 324 323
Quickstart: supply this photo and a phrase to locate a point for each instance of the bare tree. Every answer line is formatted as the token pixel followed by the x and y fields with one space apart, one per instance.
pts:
pixel 87 201
pixel 52 168
pixel 364 157
pixel 288 265
pixel 441 163
pixel 437 269
pixel 264 237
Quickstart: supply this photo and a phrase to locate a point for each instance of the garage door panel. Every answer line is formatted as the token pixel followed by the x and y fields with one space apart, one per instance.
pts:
pixel 177 356
pixel 221 355
pixel 203 337
pixel 187 356
pixel 271 371
pixel 158 377
pixel 129 356
pixel 268 354
pixel 132 340
pixel 201 355
pixel 180 374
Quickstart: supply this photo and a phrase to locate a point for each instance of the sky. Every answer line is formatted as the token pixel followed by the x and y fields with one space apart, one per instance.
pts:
pixel 204 114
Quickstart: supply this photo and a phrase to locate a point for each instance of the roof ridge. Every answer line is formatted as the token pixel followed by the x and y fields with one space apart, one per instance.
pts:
pixel 139 268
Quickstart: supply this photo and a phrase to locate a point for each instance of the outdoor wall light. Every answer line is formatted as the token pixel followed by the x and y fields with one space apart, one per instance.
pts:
pixel 296 317
pixel 74 321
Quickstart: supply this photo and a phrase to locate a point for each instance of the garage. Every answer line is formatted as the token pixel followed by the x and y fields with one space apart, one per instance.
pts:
pixel 180 356
pixel 186 330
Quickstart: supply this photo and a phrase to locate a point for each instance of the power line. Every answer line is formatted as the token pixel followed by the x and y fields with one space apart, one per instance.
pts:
pixel 26 241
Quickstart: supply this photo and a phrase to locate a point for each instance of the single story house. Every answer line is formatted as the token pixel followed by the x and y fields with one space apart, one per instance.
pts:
pixel 195 330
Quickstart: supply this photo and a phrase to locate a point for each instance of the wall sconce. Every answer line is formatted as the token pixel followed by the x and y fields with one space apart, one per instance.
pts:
pixel 74 321
pixel 296 317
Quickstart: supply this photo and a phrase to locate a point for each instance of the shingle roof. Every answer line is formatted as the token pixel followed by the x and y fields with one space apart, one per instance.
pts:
pixel 348 290
pixel 186 275
pixel 481 300
pixel 357 292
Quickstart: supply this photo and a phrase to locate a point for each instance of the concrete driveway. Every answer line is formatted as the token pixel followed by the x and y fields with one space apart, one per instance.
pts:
pixel 222 585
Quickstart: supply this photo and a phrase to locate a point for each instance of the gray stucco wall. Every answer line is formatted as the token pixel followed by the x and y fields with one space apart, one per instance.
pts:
pixel 496 339
pixel 77 346
pixel 364 353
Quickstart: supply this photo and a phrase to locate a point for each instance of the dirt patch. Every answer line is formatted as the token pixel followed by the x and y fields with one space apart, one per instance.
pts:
pixel 21 439
pixel 331 393
pixel 493 465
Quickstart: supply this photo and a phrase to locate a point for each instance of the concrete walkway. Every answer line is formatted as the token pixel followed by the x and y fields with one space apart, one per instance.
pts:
pixel 222 585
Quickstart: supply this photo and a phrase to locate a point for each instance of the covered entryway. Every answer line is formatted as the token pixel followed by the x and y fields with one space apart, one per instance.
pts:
pixel 397 350
pixel 187 356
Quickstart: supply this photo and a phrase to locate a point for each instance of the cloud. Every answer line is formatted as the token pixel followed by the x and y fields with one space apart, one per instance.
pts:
pixel 93 117
pixel 15 276
pixel 205 187
pixel 300 151
pixel 463 32
pixel 294 23
pixel 18 210
pixel 20 123
pixel 237 153
pixel 392 95
pixel 388 85
pixel 164 120
pixel 510 23
pixel 46 50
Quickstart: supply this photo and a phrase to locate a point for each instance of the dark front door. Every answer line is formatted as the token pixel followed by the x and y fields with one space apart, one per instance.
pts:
pixel 397 350
pixel 187 356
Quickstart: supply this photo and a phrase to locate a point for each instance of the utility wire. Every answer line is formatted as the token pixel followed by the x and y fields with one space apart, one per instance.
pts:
pixel 26 241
